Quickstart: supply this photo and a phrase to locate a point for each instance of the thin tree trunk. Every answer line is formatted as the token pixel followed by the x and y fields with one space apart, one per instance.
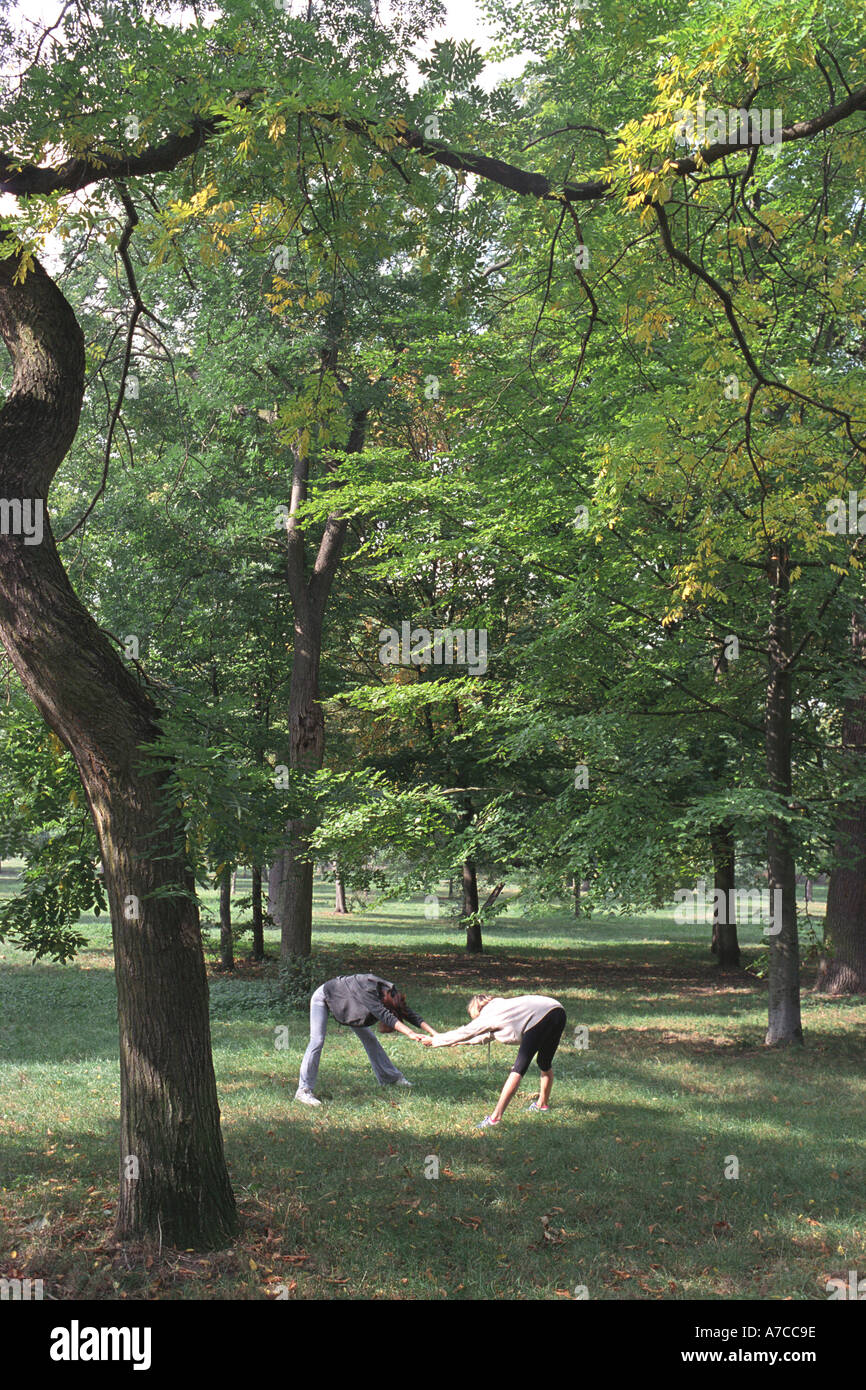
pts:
pixel 842 967
pixel 474 943
pixel 227 945
pixel 725 943
pixel 274 875
pixel 340 897
pixel 174 1182
pixel 491 897
pixel 575 888
pixel 784 1022
pixel 258 951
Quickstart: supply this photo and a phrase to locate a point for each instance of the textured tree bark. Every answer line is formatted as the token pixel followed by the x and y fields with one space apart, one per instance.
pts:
pixel 842 967
pixel 174 1182
pixel 474 943
pixel 784 1023
pixel 725 944
pixel 258 951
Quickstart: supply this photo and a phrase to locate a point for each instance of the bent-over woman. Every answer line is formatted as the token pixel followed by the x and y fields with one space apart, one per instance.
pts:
pixel 532 1020
pixel 356 1001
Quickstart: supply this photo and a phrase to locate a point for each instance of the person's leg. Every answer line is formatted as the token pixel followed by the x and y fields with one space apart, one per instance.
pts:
pixel 512 1083
pixel 383 1068
pixel 318 1028
pixel 515 1076
pixel 554 1024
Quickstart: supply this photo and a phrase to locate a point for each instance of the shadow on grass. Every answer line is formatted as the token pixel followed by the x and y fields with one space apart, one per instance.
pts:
pixel 599 1195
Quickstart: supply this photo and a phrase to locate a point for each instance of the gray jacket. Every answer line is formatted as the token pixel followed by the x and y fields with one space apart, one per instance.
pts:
pixel 356 1000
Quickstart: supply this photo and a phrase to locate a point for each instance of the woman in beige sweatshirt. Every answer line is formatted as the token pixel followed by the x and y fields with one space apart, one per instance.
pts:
pixel 532 1020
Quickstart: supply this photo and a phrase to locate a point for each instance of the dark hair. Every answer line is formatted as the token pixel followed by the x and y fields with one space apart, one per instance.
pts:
pixel 394 1000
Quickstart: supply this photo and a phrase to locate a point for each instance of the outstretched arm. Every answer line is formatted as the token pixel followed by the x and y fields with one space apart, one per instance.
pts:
pixel 408 1032
pixel 474 1032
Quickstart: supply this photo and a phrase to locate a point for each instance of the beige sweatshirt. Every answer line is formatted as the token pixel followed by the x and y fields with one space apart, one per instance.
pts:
pixel 504 1020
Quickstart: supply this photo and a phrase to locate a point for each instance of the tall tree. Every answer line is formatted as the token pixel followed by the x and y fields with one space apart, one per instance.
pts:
pixel 842 968
pixel 173 1173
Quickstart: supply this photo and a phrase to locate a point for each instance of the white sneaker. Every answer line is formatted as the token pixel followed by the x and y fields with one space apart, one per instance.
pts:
pixel 306 1097
pixel 404 1081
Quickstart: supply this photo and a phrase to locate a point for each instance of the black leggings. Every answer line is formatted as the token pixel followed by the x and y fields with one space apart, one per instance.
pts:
pixel 542 1038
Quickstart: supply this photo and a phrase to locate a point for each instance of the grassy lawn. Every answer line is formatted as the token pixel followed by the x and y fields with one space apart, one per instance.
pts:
pixel 621 1188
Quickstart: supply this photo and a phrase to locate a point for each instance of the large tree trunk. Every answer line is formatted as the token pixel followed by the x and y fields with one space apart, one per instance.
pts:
pixel 474 943
pixel 784 1024
pixel 725 944
pixel 174 1182
pixel 842 968
pixel 258 951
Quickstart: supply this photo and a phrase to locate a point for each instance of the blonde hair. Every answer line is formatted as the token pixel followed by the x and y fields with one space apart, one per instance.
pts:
pixel 476 1004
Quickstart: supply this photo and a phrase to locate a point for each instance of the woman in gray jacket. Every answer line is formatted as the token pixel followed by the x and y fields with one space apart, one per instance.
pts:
pixel 535 1021
pixel 356 1001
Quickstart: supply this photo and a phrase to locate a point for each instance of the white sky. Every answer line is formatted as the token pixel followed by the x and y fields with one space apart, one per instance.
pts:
pixel 463 22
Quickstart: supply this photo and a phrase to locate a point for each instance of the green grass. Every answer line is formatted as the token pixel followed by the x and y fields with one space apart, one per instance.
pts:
pixel 620 1188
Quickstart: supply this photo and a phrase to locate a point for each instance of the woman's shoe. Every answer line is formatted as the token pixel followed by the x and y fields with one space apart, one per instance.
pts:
pixel 306 1097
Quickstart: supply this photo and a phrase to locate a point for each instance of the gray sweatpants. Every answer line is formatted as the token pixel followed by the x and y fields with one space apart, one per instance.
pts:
pixel 383 1068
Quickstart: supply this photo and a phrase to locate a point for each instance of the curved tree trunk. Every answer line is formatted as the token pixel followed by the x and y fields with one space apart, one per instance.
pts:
pixel 292 873
pixel 842 968
pixel 174 1182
